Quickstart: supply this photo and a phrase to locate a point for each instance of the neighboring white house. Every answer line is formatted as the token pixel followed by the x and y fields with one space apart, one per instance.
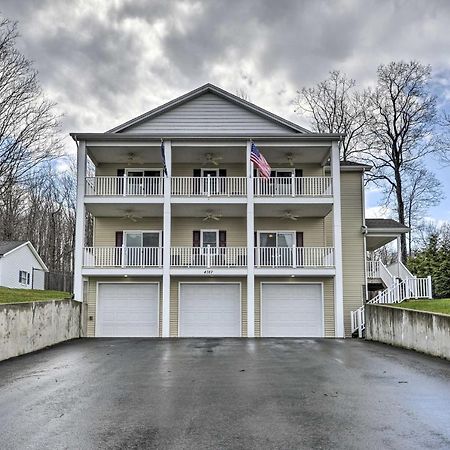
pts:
pixel 21 266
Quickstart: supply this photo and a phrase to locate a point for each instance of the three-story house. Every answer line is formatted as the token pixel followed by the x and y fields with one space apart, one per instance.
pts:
pixel 189 239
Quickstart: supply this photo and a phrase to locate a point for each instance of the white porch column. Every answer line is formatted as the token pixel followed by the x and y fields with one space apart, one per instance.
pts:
pixel 167 225
pixel 79 222
pixel 399 251
pixel 250 248
pixel 337 240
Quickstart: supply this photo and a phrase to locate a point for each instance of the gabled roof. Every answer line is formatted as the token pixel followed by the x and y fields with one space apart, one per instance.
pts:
pixel 209 88
pixel 7 247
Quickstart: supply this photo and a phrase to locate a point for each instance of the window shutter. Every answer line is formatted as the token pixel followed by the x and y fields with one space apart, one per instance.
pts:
pixel 299 238
pixel 20 276
pixel 197 173
pixel 255 237
pixel 196 238
pixel 222 238
pixel 119 238
pixel 298 173
pixel 222 172
pixel 120 172
pixel 28 278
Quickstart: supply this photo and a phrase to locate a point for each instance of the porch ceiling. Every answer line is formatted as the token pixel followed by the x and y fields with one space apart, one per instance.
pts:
pixel 373 242
pixel 202 209
pixel 120 210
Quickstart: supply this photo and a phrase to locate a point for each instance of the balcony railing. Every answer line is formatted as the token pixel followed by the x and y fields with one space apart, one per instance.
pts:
pixel 294 257
pixel 124 186
pixel 122 257
pixel 208 257
pixel 209 186
pixel 293 187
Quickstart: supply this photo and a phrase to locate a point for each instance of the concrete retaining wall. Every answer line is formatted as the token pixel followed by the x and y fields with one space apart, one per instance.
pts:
pixel 26 327
pixel 422 331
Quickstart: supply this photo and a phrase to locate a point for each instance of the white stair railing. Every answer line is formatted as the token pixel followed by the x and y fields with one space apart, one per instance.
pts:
pixel 397 293
pixel 376 269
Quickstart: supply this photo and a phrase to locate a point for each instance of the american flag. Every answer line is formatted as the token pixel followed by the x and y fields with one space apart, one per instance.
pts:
pixel 163 157
pixel 260 162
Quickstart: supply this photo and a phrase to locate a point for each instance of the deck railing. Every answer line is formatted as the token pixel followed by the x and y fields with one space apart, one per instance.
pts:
pixel 122 257
pixel 397 293
pixel 209 186
pixel 293 187
pixel 294 257
pixel 124 186
pixel 208 256
pixel 376 269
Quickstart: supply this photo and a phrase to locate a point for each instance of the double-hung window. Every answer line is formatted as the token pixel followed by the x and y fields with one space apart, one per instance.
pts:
pixel 24 277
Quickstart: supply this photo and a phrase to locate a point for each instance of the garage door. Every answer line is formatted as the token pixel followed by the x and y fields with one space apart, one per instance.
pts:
pixel 127 309
pixel 291 310
pixel 210 310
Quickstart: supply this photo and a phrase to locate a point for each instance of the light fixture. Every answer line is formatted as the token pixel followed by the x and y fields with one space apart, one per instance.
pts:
pixel 292 276
pixel 125 276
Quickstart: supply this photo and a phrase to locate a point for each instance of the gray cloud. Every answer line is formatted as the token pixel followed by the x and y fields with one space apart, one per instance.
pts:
pixel 105 62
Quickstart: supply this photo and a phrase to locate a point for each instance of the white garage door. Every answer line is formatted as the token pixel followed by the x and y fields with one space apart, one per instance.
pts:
pixel 210 310
pixel 291 310
pixel 127 310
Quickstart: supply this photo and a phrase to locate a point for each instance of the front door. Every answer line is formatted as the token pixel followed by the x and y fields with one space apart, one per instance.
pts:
pixel 210 185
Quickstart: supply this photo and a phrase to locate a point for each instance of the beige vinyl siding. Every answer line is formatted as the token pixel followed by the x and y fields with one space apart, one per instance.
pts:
pixel 174 292
pixel 309 170
pixel 328 293
pixel 110 170
pixel 312 228
pixel 235 227
pixel 233 170
pixel 92 297
pixel 105 228
pixel 187 170
pixel 352 243
pixel 209 113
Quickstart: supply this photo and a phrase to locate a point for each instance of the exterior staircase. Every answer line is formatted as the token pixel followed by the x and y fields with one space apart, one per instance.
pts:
pixel 400 284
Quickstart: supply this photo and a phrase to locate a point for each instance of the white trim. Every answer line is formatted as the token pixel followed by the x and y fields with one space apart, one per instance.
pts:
pixel 250 244
pixel 33 250
pixel 126 282
pixel 212 282
pixel 337 243
pixel 79 221
pixel 167 230
pixel 288 283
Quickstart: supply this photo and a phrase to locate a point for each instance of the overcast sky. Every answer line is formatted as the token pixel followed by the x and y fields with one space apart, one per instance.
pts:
pixel 105 62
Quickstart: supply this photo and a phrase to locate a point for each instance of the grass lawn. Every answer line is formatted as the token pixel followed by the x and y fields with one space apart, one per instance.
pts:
pixel 29 295
pixel 441 305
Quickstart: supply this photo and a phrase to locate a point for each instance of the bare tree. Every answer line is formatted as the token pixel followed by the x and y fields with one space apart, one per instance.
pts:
pixel 400 117
pixel 421 190
pixel 28 126
pixel 335 106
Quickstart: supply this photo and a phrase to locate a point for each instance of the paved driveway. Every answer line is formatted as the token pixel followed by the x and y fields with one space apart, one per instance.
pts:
pixel 224 393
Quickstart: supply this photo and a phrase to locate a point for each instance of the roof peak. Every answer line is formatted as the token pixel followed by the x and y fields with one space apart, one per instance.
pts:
pixel 205 88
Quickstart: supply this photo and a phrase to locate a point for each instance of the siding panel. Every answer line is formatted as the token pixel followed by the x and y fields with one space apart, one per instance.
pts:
pixel 208 113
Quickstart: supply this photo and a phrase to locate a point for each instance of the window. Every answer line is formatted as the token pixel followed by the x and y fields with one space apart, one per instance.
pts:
pixel 209 238
pixel 276 239
pixel 142 238
pixel 24 277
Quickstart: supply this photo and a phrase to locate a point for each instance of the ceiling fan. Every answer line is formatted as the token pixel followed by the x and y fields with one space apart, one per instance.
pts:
pixel 290 159
pixel 211 216
pixel 132 158
pixel 211 158
pixel 289 216
pixel 130 216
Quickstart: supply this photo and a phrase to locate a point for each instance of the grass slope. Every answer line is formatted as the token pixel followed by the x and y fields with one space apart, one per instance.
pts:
pixel 441 305
pixel 29 295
